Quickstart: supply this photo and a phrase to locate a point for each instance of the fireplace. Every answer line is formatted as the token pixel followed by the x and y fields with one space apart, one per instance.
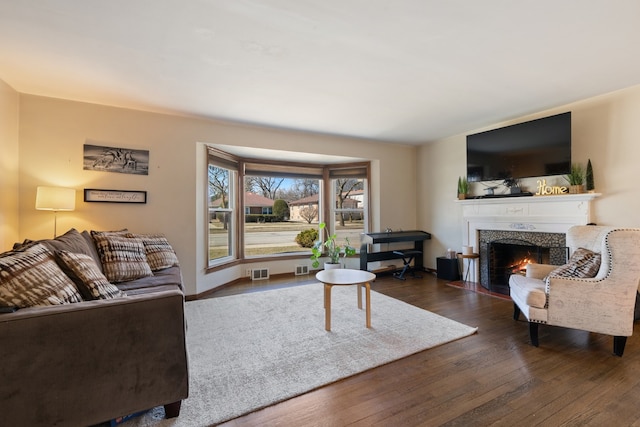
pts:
pixel 539 221
pixel 503 253
pixel 511 257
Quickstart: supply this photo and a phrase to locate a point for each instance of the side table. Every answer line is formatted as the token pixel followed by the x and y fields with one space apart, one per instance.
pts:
pixel 344 276
pixel 471 258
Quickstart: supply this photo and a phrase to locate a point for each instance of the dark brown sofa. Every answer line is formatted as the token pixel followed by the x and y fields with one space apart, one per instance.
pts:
pixel 88 362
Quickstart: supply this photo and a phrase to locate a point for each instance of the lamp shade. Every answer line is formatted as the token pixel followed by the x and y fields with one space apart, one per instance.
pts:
pixel 55 199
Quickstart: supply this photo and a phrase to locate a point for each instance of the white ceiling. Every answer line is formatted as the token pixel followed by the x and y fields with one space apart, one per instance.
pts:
pixel 407 71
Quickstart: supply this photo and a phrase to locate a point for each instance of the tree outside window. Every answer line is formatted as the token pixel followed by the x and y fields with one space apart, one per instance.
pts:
pixel 348 213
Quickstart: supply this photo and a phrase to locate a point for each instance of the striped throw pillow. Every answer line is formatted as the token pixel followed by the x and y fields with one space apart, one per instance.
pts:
pixel 31 277
pixel 84 272
pixel 160 254
pixel 123 258
pixel 582 264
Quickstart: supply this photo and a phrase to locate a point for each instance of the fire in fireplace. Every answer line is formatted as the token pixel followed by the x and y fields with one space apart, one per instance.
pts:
pixel 511 257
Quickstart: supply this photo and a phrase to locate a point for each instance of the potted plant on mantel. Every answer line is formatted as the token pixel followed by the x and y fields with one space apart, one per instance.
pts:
pixel 333 249
pixel 575 179
pixel 463 187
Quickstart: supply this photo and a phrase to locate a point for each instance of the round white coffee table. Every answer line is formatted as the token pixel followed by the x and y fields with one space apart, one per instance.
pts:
pixel 344 276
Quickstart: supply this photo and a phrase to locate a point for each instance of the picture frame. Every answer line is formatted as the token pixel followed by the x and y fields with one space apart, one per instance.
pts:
pixel 114 196
pixel 115 159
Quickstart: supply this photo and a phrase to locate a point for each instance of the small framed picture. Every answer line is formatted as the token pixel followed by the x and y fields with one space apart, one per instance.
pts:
pixel 114 196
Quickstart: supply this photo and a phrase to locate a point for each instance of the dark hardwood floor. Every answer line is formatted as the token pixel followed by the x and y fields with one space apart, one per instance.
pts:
pixel 494 377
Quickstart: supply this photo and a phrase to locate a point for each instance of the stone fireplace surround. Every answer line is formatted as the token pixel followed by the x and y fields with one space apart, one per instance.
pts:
pixel 521 217
pixel 554 241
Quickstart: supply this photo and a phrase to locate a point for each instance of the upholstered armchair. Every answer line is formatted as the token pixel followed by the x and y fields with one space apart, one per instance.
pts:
pixel 603 303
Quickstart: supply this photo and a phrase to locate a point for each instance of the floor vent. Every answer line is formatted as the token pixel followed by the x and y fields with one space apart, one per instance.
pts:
pixel 302 269
pixel 259 274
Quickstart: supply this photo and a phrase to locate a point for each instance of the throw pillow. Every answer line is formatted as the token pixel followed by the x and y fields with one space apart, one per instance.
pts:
pixel 84 272
pixel 31 277
pixel 122 258
pixel 71 241
pixel 160 254
pixel 92 247
pixel 582 264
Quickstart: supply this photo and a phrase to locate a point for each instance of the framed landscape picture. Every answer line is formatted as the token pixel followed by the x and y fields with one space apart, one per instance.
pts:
pixel 114 159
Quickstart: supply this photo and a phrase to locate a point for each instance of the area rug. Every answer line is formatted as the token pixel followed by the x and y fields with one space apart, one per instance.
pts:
pixel 250 351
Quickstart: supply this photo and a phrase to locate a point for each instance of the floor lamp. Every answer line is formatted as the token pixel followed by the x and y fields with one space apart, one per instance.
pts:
pixel 55 199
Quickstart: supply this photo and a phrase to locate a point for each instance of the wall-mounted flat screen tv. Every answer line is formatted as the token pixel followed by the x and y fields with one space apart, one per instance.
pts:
pixel 539 147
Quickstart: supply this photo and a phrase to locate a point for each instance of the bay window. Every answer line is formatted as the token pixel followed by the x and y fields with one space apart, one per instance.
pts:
pixel 261 208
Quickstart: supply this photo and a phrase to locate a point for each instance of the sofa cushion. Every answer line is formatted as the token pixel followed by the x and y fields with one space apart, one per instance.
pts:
pixel 160 254
pixel 71 241
pixel 582 264
pixel 171 276
pixel 84 272
pixel 123 258
pixel 31 277
pixel 92 248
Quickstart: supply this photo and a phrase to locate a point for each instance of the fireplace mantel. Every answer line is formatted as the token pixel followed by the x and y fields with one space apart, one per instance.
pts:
pixel 550 214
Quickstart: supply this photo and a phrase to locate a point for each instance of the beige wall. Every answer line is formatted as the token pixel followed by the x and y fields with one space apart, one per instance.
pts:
pixel 9 219
pixel 605 129
pixel 52 134
pixel 405 194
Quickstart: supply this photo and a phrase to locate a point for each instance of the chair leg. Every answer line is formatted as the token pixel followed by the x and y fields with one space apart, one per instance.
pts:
pixel 533 333
pixel 516 311
pixel 401 274
pixel 618 345
pixel 405 269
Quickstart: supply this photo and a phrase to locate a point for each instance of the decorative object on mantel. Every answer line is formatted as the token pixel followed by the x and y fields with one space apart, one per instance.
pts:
pixel 114 196
pixel 576 179
pixel 589 178
pixel 489 190
pixel 463 187
pixel 548 190
pixel 513 184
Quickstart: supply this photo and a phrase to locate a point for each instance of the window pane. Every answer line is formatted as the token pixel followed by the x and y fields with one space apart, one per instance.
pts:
pixel 221 204
pixel 350 209
pixel 272 213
